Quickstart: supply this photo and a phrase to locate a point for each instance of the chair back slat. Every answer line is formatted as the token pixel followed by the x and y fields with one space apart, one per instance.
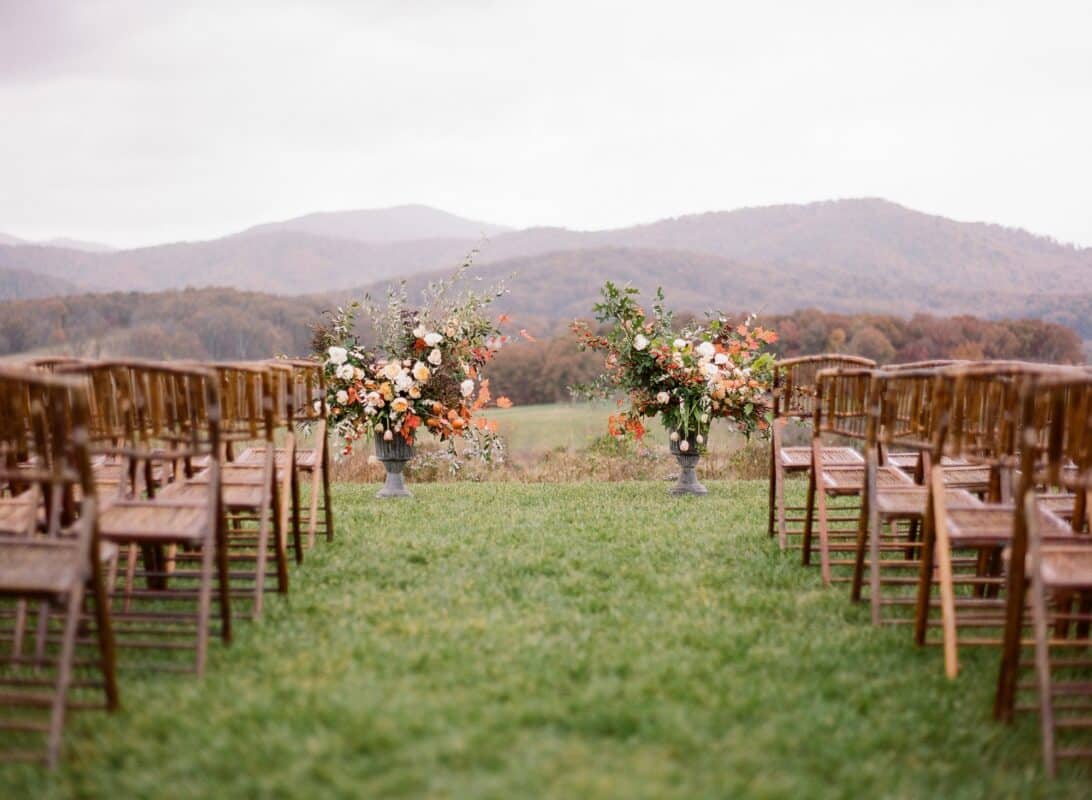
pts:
pixel 841 402
pixel 794 381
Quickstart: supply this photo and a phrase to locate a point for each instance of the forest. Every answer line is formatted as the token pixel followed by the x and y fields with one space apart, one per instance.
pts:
pixel 230 324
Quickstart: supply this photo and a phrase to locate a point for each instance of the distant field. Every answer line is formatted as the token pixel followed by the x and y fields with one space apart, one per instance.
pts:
pixel 573 426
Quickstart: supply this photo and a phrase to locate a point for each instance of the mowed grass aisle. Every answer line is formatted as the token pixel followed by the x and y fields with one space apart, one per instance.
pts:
pixel 564 641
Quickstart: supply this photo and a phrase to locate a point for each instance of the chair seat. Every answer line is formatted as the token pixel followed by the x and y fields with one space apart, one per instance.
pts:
pixel 1061 504
pixel 799 458
pixel 28 569
pixel 966 476
pixel 991 525
pixel 153 520
pixel 236 496
pixel 1066 566
pixel 910 502
pixel 16 514
pixel 903 460
pixel 305 459
pixel 850 480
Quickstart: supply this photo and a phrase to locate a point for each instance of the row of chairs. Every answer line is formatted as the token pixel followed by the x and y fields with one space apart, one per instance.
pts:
pixel 142 506
pixel 956 498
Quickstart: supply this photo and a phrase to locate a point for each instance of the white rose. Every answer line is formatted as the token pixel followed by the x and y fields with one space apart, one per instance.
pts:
pixel 419 332
pixel 679 344
pixel 709 369
pixel 706 350
pixel 346 372
pixel 640 342
pixel 467 387
pixel 403 382
pixel 337 355
pixel 662 398
pixel 435 357
pixel 343 397
pixel 721 359
pixel 433 339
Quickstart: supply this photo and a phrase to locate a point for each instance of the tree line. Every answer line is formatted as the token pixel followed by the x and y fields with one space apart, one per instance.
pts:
pixel 224 324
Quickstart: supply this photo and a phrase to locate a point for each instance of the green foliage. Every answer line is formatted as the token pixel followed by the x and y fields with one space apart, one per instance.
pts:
pixel 592 641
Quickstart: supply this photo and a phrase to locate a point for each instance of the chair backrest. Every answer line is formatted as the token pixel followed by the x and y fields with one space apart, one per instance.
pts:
pixel 174 407
pixel 794 381
pixel 252 406
pixel 44 446
pixel 901 408
pixel 308 398
pixel 977 410
pixel 841 403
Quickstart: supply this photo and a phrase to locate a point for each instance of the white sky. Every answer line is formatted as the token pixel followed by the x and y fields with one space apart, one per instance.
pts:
pixel 155 120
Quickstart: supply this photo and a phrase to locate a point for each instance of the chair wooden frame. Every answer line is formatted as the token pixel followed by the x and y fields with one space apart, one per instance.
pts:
pixel 794 394
pixel 54 556
pixel 1052 569
pixel 170 423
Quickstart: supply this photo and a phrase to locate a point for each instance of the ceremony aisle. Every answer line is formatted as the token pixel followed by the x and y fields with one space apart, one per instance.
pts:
pixel 599 640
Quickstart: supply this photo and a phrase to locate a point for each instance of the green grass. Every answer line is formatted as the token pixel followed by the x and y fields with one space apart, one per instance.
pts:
pixel 573 426
pixel 601 640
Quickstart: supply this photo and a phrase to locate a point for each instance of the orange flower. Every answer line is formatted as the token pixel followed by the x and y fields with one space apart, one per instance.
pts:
pixel 503 402
pixel 523 332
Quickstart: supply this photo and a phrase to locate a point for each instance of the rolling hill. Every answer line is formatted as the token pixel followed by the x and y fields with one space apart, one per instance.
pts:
pixel 17 284
pixel 847 255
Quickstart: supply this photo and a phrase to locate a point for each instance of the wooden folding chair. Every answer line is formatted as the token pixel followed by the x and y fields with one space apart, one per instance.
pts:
pixel 1053 569
pixel 794 400
pixel 250 493
pixel 889 533
pixel 50 555
pixel 306 410
pixel 170 423
pixel 840 409
pixel 977 410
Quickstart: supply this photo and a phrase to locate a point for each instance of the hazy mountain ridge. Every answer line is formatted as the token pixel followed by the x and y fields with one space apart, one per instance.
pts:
pixel 397 224
pixel 846 255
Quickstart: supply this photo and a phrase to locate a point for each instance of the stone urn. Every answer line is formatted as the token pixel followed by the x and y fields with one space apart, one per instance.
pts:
pixel 394 455
pixel 688 461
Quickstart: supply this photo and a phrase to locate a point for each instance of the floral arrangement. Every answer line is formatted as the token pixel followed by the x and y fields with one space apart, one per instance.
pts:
pixel 714 369
pixel 423 371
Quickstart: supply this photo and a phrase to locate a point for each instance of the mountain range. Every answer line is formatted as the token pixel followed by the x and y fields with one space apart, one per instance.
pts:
pixel 846 255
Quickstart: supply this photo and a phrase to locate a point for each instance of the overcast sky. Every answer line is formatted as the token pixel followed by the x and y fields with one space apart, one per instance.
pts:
pixel 152 120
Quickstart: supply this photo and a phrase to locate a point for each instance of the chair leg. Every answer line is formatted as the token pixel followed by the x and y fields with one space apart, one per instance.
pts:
pixel 328 509
pixel 809 520
pixel 105 634
pixel 1042 671
pixel 773 482
pixel 224 578
pixel 204 605
pixel 925 574
pixel 312 514
pixel 944 574
pixel 779 501
pixel 64 674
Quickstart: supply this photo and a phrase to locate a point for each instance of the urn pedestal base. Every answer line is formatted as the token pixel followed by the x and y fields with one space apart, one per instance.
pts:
pixel 393 455
pixel 688 482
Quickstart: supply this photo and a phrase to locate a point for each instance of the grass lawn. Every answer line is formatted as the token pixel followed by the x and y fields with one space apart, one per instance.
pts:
pixel 573 426
pixel 601 640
